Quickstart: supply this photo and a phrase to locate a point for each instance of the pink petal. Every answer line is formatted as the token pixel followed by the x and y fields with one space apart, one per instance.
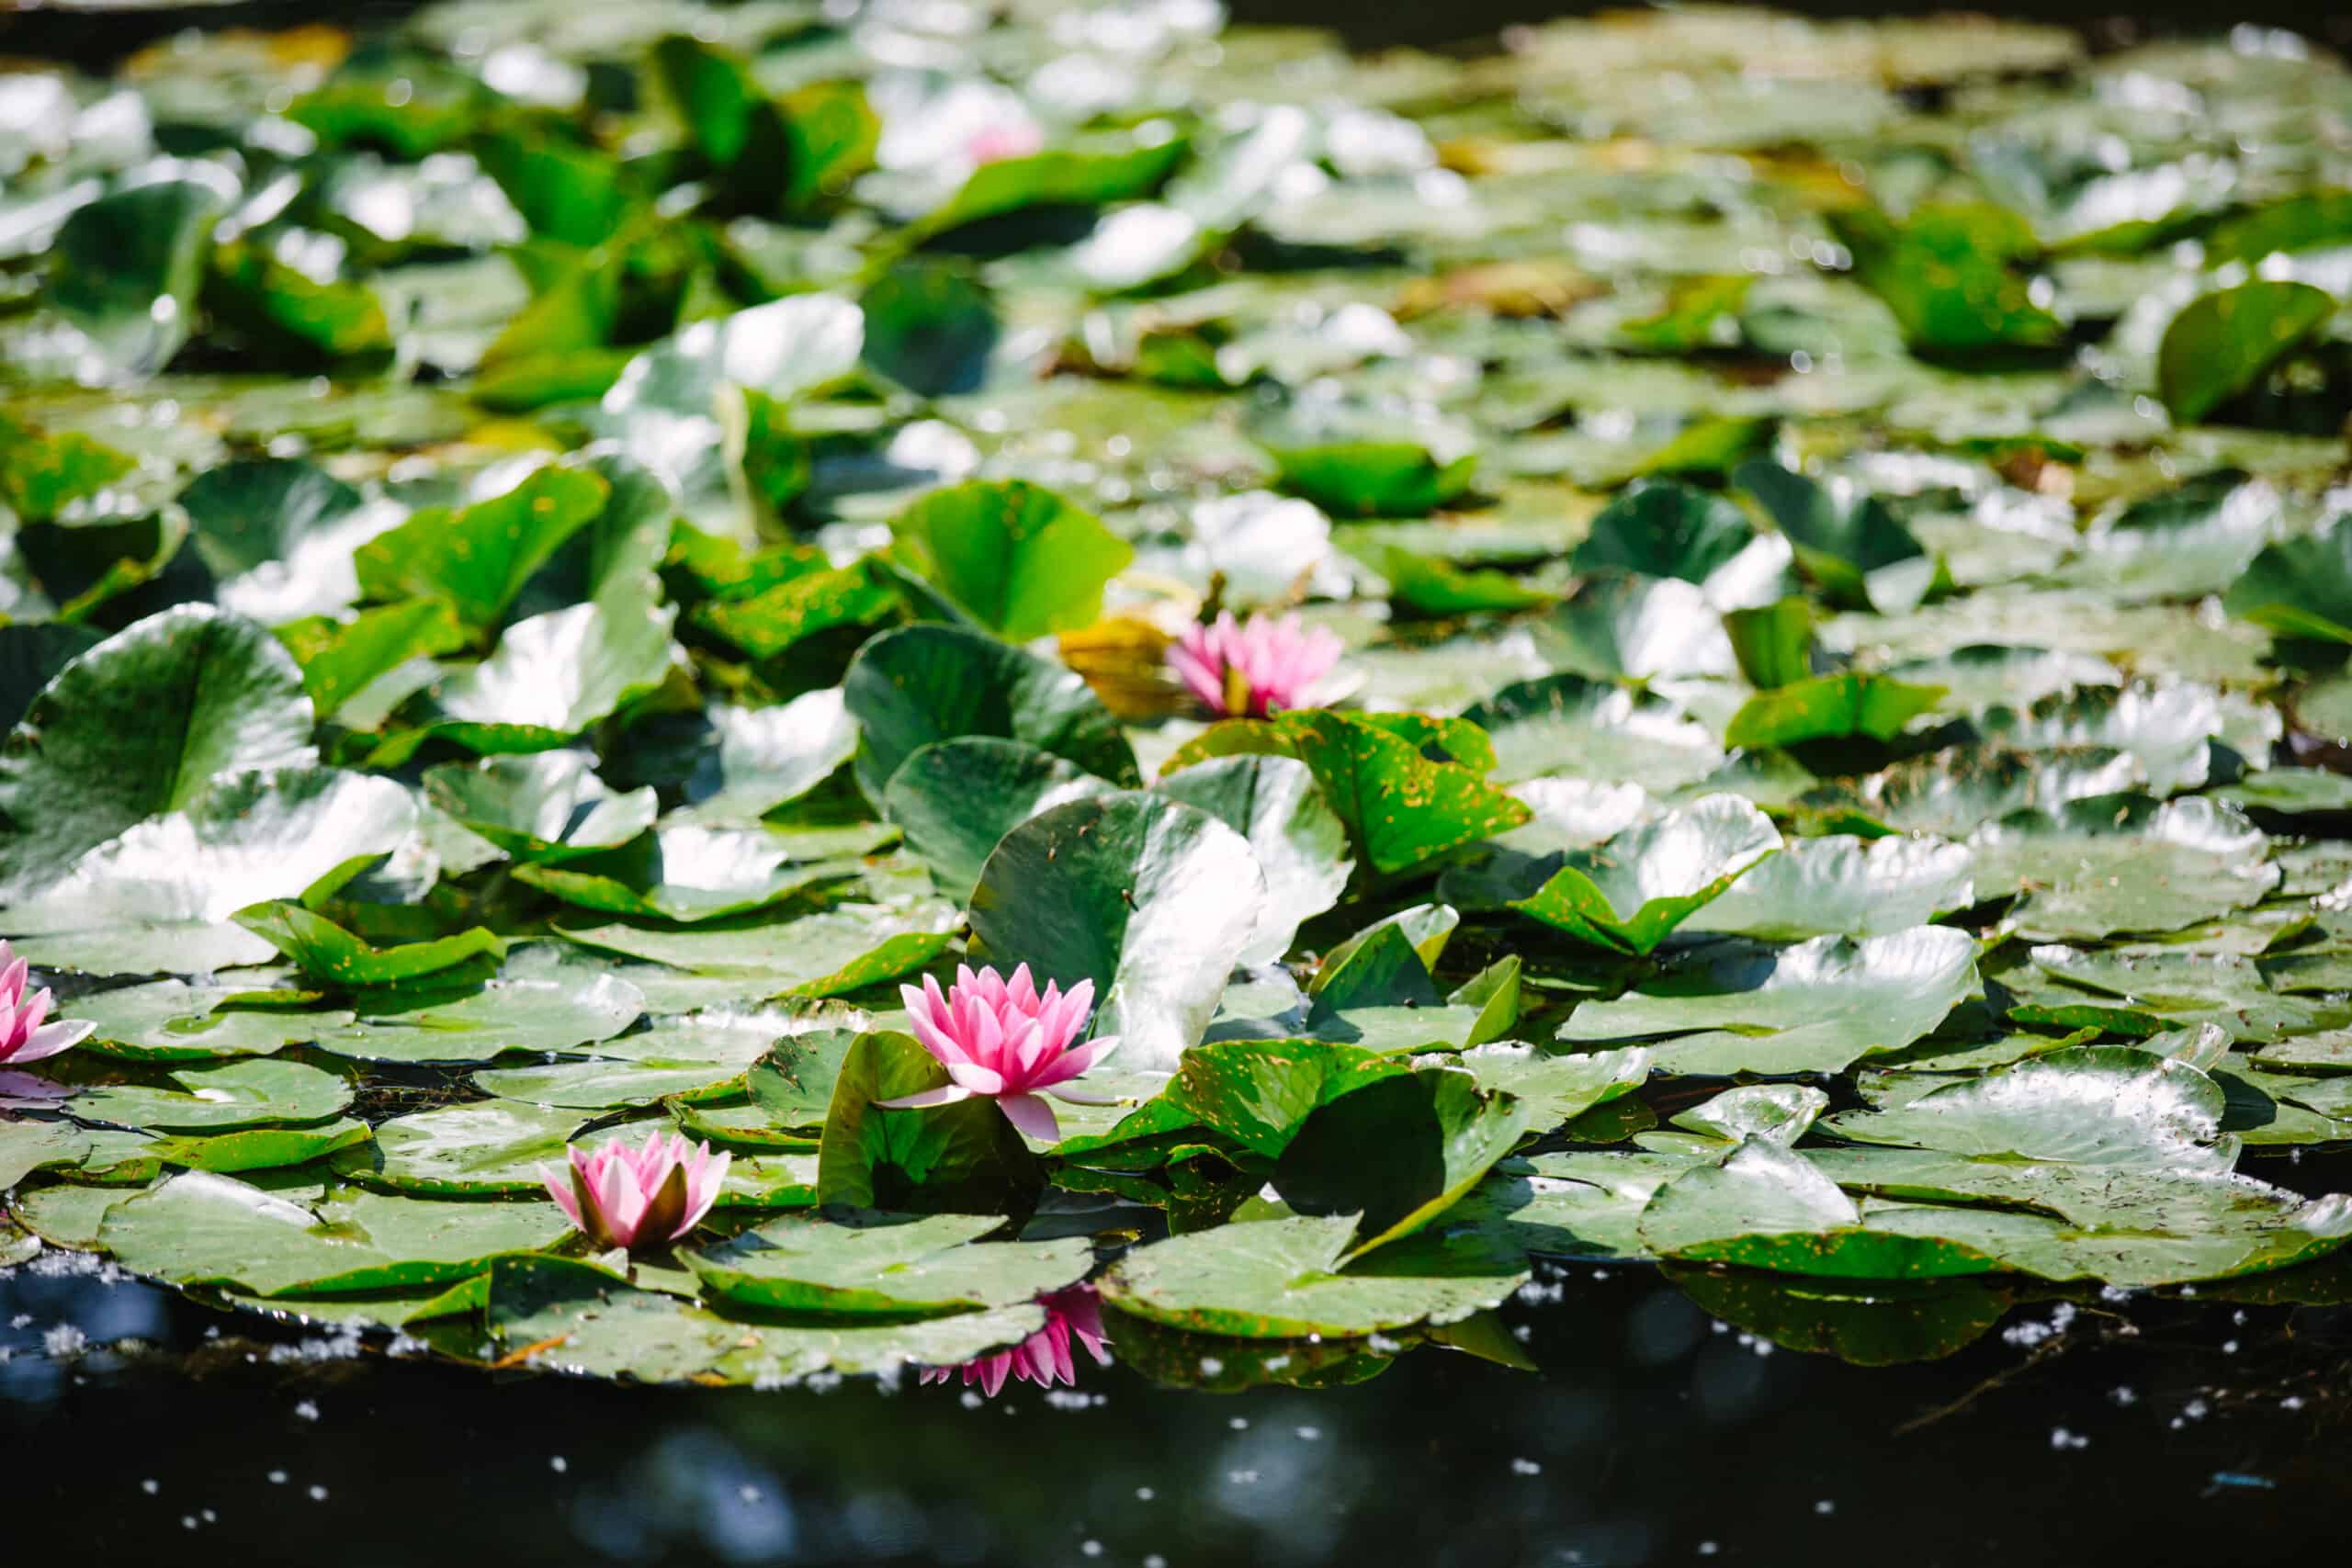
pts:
pixel 49 1039
pixel 946 1094
pixel 976 1080
pixel 1030 1116
pixel 560 1189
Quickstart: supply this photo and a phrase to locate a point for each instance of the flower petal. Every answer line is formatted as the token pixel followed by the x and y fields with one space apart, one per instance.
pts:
pixel 945 1094
pixel 1032 1116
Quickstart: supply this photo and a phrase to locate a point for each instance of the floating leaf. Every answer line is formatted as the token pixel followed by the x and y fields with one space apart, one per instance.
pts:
pixel 886 1267
pixel 955 800
pixel 1441 1128
pixel 1021 558
pixel 327 953
pixel 1850 544
pixel 918 684
pixel 1628 894
pixel 2222 344
pixel 545 807
pixel 1817 1007
pixel 478 557
pixel 1282 1280
pixel 1401 805
pixel 1574 726
pixel 1152 901
pixel 1843 886
pixel 2109 863
pixel 140 725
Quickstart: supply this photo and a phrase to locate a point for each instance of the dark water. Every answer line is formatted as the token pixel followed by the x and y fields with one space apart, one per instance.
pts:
pixel 2148 1432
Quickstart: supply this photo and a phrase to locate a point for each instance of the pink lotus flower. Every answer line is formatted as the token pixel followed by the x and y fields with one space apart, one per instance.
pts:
pixel 23 1036
pixel 638 1198
pixel 1006 139
pixel 1044 1358
pixel 1000 1040
pixel 1250 671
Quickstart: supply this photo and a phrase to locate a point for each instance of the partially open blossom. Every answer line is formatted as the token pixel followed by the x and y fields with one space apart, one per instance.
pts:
pixel 23 1036
pixel 638 1198
pixel 1250 671
pixel 1044 1358
pixel 1000 1040
pixel 1003 139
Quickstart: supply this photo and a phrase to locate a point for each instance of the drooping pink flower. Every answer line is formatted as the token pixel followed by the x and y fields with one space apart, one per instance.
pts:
pixel 1003 139
pixel 1250 671
pixel 1000 1040
pixel 23 1036
pixel 638 1198
pixel 1044 1358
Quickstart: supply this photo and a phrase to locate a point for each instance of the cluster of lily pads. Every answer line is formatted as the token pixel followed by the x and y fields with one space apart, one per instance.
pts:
pixel 1710 640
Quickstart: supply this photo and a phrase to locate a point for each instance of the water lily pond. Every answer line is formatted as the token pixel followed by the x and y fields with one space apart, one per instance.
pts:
pixel 930 783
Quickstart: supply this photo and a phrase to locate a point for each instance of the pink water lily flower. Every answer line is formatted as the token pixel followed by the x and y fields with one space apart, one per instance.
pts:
pixel 638 1198
pixel 1044 1358
pixel 23 1036
pixel 1005 139
pixel 1250 671
pixel 1000 1040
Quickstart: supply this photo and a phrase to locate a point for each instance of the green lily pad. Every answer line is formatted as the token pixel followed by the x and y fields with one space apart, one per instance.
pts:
pixel 562 1315
pixel 205 1228
pixel 1283 1279
pixel 1446 1130
pixel 2222 344
pixel 1151 900
pixel 1402 804
pixel 1021 559
pixel 2301 587
pixel 545 807
pixel 1817 1007
pixel 691 874
pixel 955 800
pixel 919 684
pixel 534 1005
pixel 139 726
pixel 326 952
pixel 2105 864
pixel 1630 894
pixel 1843 886
pixel 170 1020
pixel 1298 841
pixel 886 1268
pixel 1850 544
pixel 208 1099
pixel 478 558
pixel 1574 727
pixel 2099 1105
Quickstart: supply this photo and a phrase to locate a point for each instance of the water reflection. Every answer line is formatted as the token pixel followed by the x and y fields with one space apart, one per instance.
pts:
pixel 1616 1415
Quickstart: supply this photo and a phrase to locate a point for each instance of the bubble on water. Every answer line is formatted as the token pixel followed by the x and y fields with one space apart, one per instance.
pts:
pixel 151 1487
pixel 65 1341
pixel 318 1494
pixel 308 1410
pixel 1525 1467
pixel 1825 1506
pixel 1239 1423
pixel 558 1464
pixel 2060 1438
pixel 1309 1434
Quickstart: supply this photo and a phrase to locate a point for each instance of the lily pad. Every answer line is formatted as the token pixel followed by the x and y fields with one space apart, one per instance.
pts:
pixel 886 1269
pixel 1817 1007
pixel 918 684
pixel 1628 894
pixel 1152 901
pixel 1283 1279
